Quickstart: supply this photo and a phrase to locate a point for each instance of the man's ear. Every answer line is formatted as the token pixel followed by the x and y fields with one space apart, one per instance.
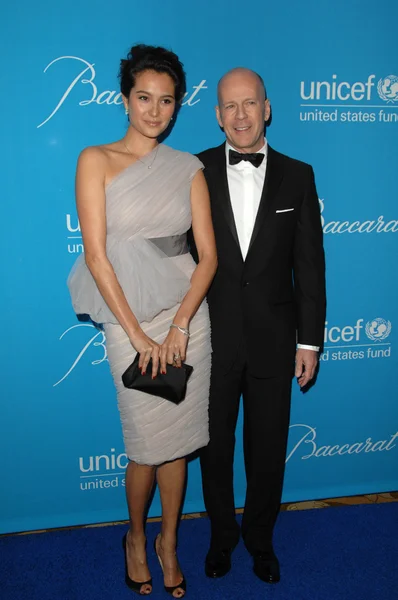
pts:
pixel 218 115
pixel 267 112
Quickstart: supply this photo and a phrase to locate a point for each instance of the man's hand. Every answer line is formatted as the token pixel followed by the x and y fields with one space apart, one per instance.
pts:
pixel 306 362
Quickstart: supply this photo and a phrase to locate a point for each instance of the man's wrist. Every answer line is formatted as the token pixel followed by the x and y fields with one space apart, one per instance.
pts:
pixel 308 347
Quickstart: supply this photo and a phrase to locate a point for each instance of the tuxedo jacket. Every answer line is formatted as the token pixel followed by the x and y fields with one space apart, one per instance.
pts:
pixel 276 296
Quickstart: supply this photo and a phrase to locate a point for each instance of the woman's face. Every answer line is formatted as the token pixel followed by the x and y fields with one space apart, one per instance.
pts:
pixel 151 103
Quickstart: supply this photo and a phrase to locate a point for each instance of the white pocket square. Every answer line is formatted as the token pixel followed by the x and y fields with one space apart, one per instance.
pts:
pixel 284 210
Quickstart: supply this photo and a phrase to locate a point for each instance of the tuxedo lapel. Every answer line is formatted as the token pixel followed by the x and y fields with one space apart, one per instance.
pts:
pixel 272 182
pixel 224 199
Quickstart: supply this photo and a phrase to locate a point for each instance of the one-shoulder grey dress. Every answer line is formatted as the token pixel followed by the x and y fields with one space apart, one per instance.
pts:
pixel 148 213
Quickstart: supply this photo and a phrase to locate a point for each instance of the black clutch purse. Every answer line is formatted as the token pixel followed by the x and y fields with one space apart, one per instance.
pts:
pixel 171 386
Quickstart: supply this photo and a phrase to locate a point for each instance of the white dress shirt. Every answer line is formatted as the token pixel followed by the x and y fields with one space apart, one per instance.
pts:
pixel 245 182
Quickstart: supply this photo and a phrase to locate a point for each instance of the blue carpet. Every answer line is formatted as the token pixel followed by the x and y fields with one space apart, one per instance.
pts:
pixel 338 553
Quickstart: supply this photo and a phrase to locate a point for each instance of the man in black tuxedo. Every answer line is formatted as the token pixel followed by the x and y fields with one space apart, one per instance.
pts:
pixel 267 309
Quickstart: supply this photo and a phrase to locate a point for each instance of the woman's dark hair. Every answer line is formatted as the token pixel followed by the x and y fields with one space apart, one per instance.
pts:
pixel 151 58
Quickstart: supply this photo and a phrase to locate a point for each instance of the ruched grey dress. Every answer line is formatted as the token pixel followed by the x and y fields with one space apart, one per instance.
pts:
pixel 148 213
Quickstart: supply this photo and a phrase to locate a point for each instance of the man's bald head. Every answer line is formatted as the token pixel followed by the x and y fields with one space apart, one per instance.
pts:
pixel 241 73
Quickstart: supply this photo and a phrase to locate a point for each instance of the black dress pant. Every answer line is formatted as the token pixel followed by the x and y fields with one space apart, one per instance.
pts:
pixel 266 404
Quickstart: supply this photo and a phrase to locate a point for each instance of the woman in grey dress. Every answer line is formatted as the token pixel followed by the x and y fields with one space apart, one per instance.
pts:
pixel 136 199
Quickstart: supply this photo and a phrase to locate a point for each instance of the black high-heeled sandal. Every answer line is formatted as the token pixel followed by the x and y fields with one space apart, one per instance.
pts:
pixel 136 586
pixel 170 589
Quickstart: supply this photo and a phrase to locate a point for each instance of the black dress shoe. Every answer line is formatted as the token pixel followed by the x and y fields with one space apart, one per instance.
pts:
pixel 266 567
pixel 218 562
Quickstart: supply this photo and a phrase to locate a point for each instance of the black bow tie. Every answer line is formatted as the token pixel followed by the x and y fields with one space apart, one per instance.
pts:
pixel 256 158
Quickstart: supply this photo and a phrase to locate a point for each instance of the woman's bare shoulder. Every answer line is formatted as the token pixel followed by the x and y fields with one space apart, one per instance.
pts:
pixel 99 156
pixel 92 156
pixel 97 153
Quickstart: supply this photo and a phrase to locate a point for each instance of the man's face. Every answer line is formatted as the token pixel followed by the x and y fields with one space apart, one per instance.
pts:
pixel 242 110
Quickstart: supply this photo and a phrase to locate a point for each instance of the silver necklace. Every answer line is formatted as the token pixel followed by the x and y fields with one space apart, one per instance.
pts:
pixel 138 158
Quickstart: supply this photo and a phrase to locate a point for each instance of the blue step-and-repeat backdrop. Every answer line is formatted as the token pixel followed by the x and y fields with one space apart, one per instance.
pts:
pixel 331 70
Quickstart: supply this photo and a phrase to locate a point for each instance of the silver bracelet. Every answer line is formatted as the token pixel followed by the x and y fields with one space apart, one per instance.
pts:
pixel 181 329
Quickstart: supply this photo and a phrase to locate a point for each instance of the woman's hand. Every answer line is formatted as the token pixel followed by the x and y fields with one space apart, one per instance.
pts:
pixel 147 349
pixel 174 349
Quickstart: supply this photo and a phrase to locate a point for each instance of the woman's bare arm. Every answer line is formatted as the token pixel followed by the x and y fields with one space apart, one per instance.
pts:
pixel 202 277
pixel 203 232
pixel 90 200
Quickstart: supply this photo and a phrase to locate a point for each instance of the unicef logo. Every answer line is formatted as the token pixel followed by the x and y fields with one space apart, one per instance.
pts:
pixel 388 88
pixel 378 329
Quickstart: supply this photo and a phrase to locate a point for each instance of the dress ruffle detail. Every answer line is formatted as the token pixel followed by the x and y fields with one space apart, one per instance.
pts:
pixel 150 280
